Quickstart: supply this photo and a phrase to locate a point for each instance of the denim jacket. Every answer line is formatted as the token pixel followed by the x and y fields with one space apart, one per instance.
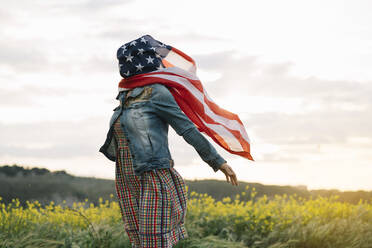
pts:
pixel 145 114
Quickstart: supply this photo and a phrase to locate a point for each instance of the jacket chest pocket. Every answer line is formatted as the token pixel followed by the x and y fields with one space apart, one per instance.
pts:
pixel 136 95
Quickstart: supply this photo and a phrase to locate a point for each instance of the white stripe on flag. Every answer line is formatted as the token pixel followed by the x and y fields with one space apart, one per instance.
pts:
pixel 179 71
pixel 228 137
pixel 242 130
pixel 178 61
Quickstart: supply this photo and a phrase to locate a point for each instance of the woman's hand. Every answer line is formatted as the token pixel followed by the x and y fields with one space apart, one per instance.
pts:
pixel 229 173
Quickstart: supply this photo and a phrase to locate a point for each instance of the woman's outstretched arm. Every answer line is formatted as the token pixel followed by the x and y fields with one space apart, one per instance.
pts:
pixel 167 108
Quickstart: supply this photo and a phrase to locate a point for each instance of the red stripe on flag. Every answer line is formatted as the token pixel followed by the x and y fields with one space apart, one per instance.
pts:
pixel 166 63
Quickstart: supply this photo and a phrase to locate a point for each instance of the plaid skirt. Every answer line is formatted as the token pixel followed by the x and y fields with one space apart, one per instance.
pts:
pixel 153 205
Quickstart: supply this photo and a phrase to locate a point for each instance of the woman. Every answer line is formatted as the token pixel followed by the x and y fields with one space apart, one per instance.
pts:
pixel 151 193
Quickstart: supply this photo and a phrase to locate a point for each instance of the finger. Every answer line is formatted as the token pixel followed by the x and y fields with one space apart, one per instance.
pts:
pixel 232 180
pixel 227 178
pixel 226 175
pixel 232 175
pixel 235 179
pixel 235 182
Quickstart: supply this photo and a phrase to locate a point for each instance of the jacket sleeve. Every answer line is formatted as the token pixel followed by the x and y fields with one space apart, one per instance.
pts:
pixel 168 110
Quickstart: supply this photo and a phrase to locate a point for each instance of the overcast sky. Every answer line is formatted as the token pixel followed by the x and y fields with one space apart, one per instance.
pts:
pixel 298 73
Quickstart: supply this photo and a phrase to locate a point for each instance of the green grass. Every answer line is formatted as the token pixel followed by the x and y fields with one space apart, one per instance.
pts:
pixel 283 222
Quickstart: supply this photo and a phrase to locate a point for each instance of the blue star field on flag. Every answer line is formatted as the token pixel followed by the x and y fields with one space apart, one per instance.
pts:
pixel 142 55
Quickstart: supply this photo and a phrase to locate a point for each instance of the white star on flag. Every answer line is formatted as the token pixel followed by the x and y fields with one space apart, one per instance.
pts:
pixel 129 58
pixel 140 51
pixel 143 40
pixel 133 43
pixel 124 48
pixel 150 60
pixel 139 67
pixel 127 73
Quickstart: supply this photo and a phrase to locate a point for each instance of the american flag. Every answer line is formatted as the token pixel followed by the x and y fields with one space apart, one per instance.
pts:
pixel 147 61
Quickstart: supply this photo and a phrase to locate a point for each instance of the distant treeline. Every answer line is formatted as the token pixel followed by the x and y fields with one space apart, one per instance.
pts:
pixel 15 170
pixel 30 184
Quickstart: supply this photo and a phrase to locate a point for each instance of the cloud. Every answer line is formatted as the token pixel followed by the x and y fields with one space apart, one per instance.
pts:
pixel 25 56
pixel 99 5
pixel 34 55
pixel 5 16
pixel 27 95
pixel 67 7
pixel 246 74
pixel 49 37
pixel 279 158
pixel 75 36
pixel 320 127
pixel 53 139
pixel 55 151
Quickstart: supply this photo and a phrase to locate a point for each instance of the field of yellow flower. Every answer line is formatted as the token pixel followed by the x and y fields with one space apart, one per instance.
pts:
pixel 285 221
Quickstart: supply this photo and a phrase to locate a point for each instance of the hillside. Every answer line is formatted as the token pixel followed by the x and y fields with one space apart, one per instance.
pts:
pixel 58 186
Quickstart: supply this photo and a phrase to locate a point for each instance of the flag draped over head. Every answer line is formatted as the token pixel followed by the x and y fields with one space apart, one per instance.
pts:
pixel 147 61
